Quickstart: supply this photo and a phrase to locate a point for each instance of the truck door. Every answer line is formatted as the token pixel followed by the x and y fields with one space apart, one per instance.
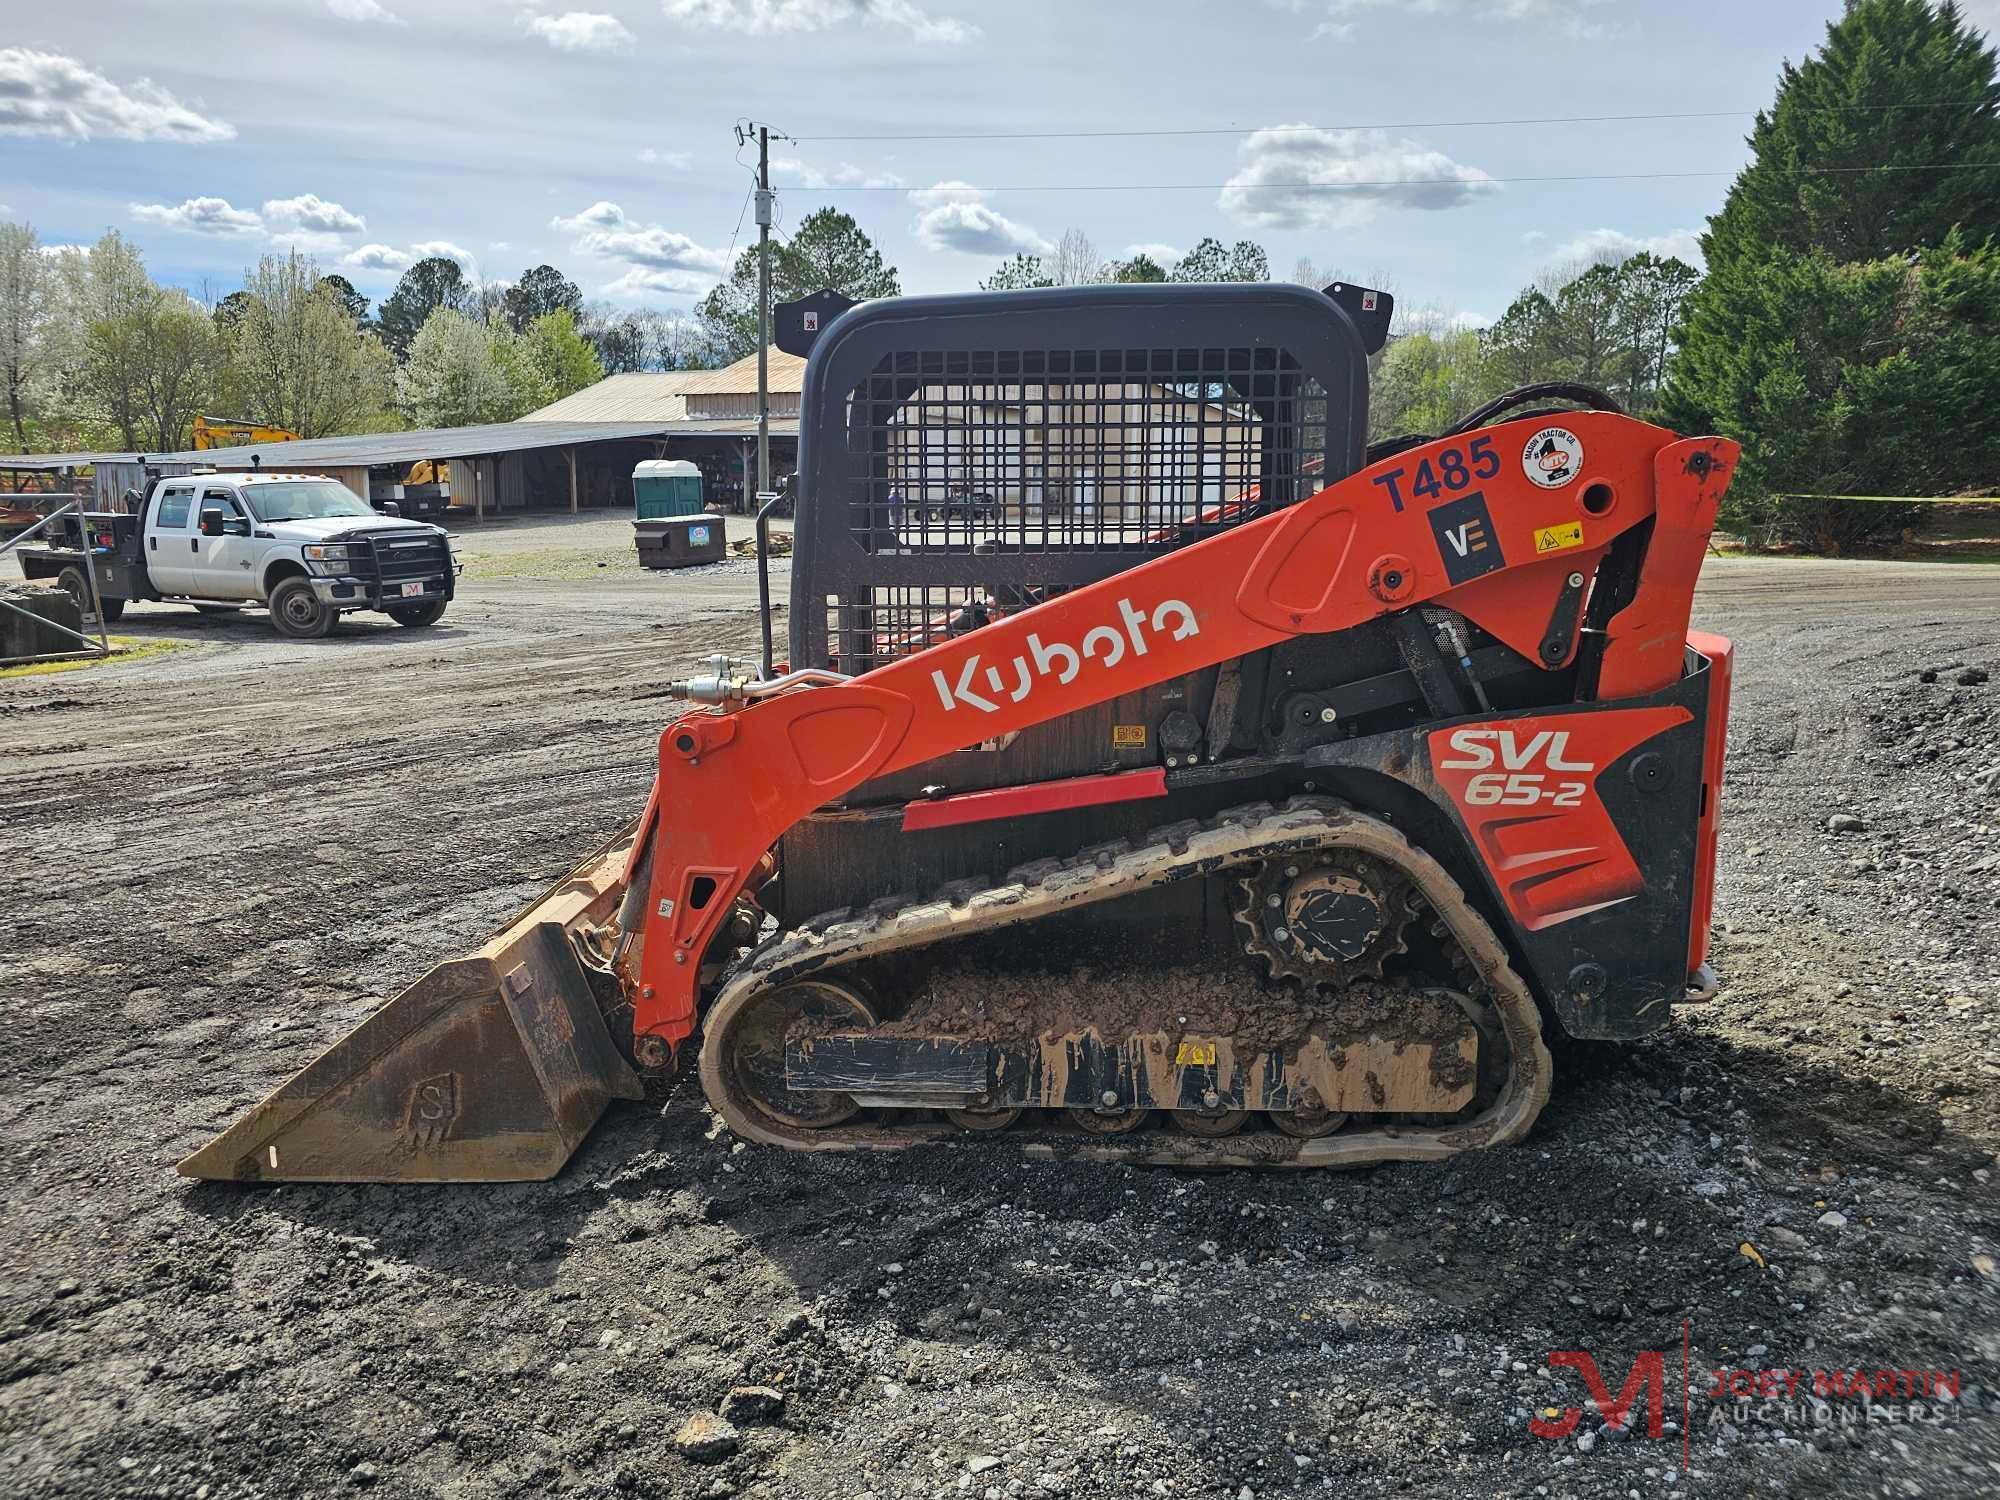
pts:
pixel 224 566
pixel 171 537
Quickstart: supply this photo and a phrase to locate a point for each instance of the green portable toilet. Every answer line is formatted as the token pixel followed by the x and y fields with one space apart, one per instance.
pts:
pixel 664 487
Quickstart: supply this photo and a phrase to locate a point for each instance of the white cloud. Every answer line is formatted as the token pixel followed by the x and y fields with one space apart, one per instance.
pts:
pixel 387 260
pixel 580 31
pixel 200 216
pixel 311 212
pixel 656 259
pixel 600 215
pixel 46 93
pixel 954 216
pixel 467 262
pixel 364 10
pixel 789 171
pixel 307 223
pixel 772 17
pixel 1461 322
pixel 643 281
pixel 1295 175
pixel 1162 255
pixel 1613 245
pixel 680 161
pixel 377 258
pixel 1570 18
pixel 653 247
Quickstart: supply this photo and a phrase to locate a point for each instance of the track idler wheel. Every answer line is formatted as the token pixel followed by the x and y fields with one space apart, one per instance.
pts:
pixel 1309 1123
pixel 1213 1126
pixel 982 1120
pixel 1096 1122
pixel 755 1049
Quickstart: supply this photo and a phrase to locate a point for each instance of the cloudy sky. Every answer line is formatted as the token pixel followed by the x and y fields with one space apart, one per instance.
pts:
pixel 1368 135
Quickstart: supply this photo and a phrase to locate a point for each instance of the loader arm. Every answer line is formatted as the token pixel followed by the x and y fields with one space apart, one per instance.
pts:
pixel 1458 521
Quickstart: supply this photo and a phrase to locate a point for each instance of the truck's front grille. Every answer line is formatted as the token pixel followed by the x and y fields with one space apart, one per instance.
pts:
pixel 400 558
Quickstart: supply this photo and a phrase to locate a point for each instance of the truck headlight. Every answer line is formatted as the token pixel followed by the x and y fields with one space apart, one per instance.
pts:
pixel 319 552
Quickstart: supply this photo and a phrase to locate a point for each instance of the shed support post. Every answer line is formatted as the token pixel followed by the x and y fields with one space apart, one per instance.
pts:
pixel 570 454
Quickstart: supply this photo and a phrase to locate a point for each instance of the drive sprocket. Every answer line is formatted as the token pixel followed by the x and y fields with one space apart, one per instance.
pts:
pixel 1325 918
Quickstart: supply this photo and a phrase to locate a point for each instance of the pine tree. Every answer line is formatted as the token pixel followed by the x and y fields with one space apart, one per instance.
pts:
pixel 1879 144
pixel 829 252
pixel 1021 272
pixel 1876 170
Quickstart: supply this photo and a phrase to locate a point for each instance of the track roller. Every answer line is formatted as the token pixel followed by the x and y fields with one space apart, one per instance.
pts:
pixel 1098 1123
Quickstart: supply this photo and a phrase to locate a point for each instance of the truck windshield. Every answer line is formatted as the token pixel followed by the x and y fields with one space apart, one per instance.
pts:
pixel 304 500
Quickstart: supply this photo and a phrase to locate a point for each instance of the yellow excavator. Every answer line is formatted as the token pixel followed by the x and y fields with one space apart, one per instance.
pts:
pixel 231 432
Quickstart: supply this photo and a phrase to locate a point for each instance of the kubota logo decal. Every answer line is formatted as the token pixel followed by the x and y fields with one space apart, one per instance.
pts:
pixel 1102 645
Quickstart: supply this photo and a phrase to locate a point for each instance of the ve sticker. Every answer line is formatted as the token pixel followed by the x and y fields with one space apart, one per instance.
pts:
pixel 1466 541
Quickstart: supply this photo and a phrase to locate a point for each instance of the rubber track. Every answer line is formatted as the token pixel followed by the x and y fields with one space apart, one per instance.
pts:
pixel 1178 851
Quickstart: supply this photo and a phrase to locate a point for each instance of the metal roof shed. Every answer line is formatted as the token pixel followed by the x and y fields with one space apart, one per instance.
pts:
pixel 368 449
pixel 634 396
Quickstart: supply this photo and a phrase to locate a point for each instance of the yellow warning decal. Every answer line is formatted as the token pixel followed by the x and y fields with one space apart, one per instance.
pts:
pixel 1128 736
pixel 1195 1055
pixel 1556 538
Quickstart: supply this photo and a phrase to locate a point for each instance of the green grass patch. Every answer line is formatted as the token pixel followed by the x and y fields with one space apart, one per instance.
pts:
pixel 124 648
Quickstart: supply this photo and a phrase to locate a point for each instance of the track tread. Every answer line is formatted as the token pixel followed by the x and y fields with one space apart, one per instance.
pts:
pixel 1184 849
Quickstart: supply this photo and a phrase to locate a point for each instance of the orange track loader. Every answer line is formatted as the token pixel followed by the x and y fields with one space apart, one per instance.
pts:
pixel 1219 791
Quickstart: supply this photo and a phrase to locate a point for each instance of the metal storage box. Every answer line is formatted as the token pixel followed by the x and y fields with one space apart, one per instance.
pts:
pixel 665 487
pixel 679 541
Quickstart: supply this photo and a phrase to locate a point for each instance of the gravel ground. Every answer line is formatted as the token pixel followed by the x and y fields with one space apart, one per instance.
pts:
pixel 221 858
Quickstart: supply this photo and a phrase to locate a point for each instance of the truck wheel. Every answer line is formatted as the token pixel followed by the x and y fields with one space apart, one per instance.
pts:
pixel 296 612
pixel 72 582
pixel 416 616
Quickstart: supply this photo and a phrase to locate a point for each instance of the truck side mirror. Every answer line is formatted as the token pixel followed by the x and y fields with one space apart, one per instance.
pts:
pixel 211 521
pixel 390 508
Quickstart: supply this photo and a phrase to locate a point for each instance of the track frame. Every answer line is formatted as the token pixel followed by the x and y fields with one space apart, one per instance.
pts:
pixel 1179 851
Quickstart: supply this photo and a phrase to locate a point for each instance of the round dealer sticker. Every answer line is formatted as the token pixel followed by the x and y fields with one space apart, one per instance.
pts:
pixel 1553 457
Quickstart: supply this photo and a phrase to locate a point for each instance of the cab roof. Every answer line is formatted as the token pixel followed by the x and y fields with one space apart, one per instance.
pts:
pixel 242 476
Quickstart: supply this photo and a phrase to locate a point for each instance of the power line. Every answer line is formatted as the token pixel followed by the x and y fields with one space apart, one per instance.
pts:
pixel 1391 182
pixel 1102 135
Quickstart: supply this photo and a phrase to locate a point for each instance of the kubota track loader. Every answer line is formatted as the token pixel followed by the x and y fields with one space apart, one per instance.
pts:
pixel 1223 792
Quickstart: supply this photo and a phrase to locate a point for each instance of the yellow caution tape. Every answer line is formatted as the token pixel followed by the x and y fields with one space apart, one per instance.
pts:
pixel 1905 499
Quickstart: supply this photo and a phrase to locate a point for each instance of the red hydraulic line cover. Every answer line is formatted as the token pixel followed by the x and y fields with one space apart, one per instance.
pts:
pixel 1038 797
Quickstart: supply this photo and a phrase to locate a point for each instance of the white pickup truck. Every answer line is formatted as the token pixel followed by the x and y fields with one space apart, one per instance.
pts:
pixel 308 548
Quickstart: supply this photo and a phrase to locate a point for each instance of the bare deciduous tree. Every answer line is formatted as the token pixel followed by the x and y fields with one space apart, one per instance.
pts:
pixel 1076 261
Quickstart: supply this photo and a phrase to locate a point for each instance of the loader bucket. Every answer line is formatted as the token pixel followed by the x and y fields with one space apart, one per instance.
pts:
pixel 491 1068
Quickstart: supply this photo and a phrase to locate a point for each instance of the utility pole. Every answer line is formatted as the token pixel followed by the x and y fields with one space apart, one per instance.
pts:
pixel 763 309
